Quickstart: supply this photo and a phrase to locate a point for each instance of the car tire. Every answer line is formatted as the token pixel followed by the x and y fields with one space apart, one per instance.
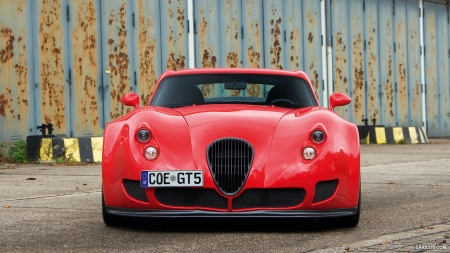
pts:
pixel 350 221
pixel 110 219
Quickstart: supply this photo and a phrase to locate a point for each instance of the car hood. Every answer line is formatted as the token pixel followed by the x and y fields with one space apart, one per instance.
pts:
pixel 267 116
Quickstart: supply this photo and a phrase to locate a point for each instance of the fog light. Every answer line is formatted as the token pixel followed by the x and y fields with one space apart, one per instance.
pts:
pixel 150 153
pixel 309 153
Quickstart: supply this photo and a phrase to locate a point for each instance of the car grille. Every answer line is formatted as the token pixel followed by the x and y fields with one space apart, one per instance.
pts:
pixel 135 190
pixel 324 190
pixel 190 197
pixel 269 198
pixel 230 160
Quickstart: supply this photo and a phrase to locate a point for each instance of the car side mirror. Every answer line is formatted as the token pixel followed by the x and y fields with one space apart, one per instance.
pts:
pixel 130 99
pixel 339 99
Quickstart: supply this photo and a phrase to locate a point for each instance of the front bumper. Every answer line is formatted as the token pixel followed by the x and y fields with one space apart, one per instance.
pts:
pixel 248 214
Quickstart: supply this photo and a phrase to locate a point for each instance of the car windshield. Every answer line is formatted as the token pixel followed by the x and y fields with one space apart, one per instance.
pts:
pixel 187 90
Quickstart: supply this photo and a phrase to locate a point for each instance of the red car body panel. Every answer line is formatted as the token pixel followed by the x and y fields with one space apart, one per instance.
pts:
pixel 278 136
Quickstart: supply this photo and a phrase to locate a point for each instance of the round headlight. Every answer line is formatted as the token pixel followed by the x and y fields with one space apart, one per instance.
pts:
pixel 318 136
pixel 150 153
pixel 309 153
pixel 143 135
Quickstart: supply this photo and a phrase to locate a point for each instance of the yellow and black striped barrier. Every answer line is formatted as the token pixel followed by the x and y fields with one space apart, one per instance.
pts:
pixel 392 135
pixel 83 149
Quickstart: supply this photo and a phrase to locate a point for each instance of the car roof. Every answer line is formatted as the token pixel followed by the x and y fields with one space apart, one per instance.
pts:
pixel 253 71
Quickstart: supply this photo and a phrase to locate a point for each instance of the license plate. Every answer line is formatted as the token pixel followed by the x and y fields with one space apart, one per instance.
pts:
pixel 173 178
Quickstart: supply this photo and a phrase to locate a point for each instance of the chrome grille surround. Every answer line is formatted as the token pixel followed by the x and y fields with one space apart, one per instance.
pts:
pixel 230 160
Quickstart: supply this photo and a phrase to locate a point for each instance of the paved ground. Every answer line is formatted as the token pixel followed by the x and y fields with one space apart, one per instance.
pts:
pixel 405 207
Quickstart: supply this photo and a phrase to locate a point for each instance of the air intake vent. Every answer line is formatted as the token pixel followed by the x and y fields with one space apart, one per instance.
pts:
pixel 269 198
pixel 230 161
pixel 135 190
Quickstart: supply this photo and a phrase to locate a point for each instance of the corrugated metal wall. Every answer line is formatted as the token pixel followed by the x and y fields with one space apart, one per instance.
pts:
pixel 68 62
pixel 437 68
pixel 16 86
pixel 376 48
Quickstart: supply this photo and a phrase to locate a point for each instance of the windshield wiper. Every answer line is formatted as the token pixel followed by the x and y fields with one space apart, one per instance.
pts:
pixel 181 105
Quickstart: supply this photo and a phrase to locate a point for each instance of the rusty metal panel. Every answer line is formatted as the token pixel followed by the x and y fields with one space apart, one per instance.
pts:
pixel 86 88
pixel 207 39
pixel 400 62
pixel 231 36
pixel 437 69
pixel 173 18
pixel 207 44
pixel 294 36
pixel 413 64
pixel 372 61
pixel 273 34
pixel 252 22
pixel 348 39
pixel 252 25
pixel 148 44
pixel 386 64
pixel 51 58
pixel 16 97
pixel 407 63
pixel 312 43
pixel 116 16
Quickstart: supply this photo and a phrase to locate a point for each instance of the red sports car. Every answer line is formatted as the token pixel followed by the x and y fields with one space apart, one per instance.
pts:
pixel 232 143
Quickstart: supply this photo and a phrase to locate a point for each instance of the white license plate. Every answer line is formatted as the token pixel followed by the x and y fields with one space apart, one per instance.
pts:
pixel 172 178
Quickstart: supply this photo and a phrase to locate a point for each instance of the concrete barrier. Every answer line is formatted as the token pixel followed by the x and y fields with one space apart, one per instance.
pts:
pixel 392 135
pixel 83 149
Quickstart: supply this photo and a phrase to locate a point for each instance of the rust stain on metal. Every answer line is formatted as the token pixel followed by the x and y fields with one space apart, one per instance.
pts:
pixel 3 105
pixel 6 62
pixel 51 34
pixel 313 21
pixel 254 48
pixel 388 85
pixel 341 64
pixel 294 40
pixel 148 54
pixel 208 57
pixel 372 75
pixel 118 61
pixel 85 40
pixel 13 70
pixel 275 49
pixel 402 82
pixel 7 52
pixel 232 38
pixel 431 68
pixel 358 88
pixel 175 43
pixel 415 96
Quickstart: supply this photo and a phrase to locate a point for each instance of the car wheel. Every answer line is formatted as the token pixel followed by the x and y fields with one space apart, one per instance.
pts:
pixel 350 221
pixel 110 219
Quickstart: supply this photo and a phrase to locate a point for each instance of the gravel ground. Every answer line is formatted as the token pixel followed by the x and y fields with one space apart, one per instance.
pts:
pixel 405 196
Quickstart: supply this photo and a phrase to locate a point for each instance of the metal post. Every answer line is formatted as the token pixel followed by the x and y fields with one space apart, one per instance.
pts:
pixel 329 47
pixel 324 54
pixel 191 53
pixel 422 67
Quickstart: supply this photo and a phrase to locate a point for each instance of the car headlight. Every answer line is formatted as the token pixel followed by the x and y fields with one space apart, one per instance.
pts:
pixel 150 153
pixel 309 153
pixel 143 136
pixel 318 136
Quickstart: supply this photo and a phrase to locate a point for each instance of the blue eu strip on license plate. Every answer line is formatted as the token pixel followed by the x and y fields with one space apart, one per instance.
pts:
pixel 172 178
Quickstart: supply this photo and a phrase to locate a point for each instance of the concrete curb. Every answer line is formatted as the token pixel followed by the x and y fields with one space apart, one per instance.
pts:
pixel 83 149
pixel 394 135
